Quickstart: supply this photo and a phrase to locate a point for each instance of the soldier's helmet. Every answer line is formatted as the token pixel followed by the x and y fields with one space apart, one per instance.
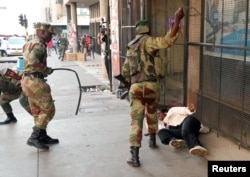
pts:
pixel 142 27
pixel 44 26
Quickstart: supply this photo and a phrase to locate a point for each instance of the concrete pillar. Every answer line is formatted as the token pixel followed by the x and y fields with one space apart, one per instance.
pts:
pixel 68 13
pixel 74 22
pixel 104 13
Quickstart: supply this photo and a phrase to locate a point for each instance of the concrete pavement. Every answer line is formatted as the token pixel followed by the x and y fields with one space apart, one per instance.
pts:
pixel 94 143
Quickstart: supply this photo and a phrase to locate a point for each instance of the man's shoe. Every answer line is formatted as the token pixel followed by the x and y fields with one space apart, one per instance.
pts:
pixel 204 129
pixel 9 120
pixel 198 150
pixel 176 143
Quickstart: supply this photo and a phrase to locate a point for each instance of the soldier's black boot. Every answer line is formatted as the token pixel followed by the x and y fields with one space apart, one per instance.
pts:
pixel 34 139
pixel 45 139
pixel 152 140
pixel 10 119
pixel 134 159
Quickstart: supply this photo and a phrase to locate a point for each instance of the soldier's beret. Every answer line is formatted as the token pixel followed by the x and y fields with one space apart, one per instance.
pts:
pixel 142 26
pixel 44 26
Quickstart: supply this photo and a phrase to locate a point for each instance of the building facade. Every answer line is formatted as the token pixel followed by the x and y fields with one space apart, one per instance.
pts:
pixel 218 59
pixel 209 63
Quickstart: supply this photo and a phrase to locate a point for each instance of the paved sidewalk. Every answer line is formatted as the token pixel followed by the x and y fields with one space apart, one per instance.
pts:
pixel 94 143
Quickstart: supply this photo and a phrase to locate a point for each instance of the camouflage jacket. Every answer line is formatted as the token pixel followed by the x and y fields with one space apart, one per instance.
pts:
pixel 9 85
pixel 147 46
pixel 63 41
pixel 35 57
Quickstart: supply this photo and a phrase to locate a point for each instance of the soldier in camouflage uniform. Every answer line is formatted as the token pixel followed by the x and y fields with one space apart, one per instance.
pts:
pixel 10 89
pixel 144 93
pixel 63 45
pixel 35 87
pixel 9 92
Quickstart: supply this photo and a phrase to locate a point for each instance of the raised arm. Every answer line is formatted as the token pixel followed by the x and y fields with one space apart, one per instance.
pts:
pixel 179 14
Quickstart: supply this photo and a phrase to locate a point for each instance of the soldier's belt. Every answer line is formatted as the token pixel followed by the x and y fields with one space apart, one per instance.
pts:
pixel 149 80
pixel 152 80
pixel 36 75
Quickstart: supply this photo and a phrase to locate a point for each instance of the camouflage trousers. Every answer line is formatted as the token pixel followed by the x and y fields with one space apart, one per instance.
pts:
pixel 6 98
pixel 24 101
pixel 144 100
pixel 62 50
pixel 40 100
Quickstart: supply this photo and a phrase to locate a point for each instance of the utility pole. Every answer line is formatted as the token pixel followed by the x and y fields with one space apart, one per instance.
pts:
pixel 25 21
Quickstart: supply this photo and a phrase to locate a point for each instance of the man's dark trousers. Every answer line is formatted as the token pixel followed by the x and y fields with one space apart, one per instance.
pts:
pixel 188 130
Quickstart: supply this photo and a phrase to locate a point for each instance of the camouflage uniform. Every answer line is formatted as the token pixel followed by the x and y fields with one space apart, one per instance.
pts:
pixel 63 45
pixel 10 90
pixel 144 93
pixel 35 87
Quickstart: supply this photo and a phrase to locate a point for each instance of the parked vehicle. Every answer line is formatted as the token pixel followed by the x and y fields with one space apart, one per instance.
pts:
pixel 3 46
pixel 15 46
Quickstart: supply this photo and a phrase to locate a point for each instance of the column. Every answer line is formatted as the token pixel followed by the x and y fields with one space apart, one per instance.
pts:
pixel 104 13
pixel 74 24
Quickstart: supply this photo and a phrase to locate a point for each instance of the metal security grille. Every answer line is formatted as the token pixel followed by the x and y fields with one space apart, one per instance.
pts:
pixel 224 98
pixel 160 14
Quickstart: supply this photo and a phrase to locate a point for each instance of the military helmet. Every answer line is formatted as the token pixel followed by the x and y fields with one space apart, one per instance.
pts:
pixel 44 26
pixel 142 27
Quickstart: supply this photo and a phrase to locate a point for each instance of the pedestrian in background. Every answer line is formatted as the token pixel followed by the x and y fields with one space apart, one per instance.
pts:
pixel 54 42
pixel 49 47
pixel 35 87
pixel 91 47
pixel 103 38
pixel 144 93
pixel 83 44
pixel 87 39
pixel 63 46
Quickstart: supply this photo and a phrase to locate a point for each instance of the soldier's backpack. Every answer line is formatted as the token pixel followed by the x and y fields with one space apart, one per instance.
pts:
pixel 137 50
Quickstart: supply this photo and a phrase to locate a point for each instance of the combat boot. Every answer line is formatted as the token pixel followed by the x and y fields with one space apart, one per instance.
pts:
pixel 34 139
pixel 152 140
pixel 134 159
pixel 10 119
pixel 45 139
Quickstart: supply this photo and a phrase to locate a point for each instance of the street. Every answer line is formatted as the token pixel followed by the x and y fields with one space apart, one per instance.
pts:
pixel 93 143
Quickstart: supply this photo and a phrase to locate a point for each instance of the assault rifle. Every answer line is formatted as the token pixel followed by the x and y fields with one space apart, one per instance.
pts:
pixel 123 86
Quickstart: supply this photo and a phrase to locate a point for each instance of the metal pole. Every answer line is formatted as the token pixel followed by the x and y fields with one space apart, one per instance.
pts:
pixel 26 33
